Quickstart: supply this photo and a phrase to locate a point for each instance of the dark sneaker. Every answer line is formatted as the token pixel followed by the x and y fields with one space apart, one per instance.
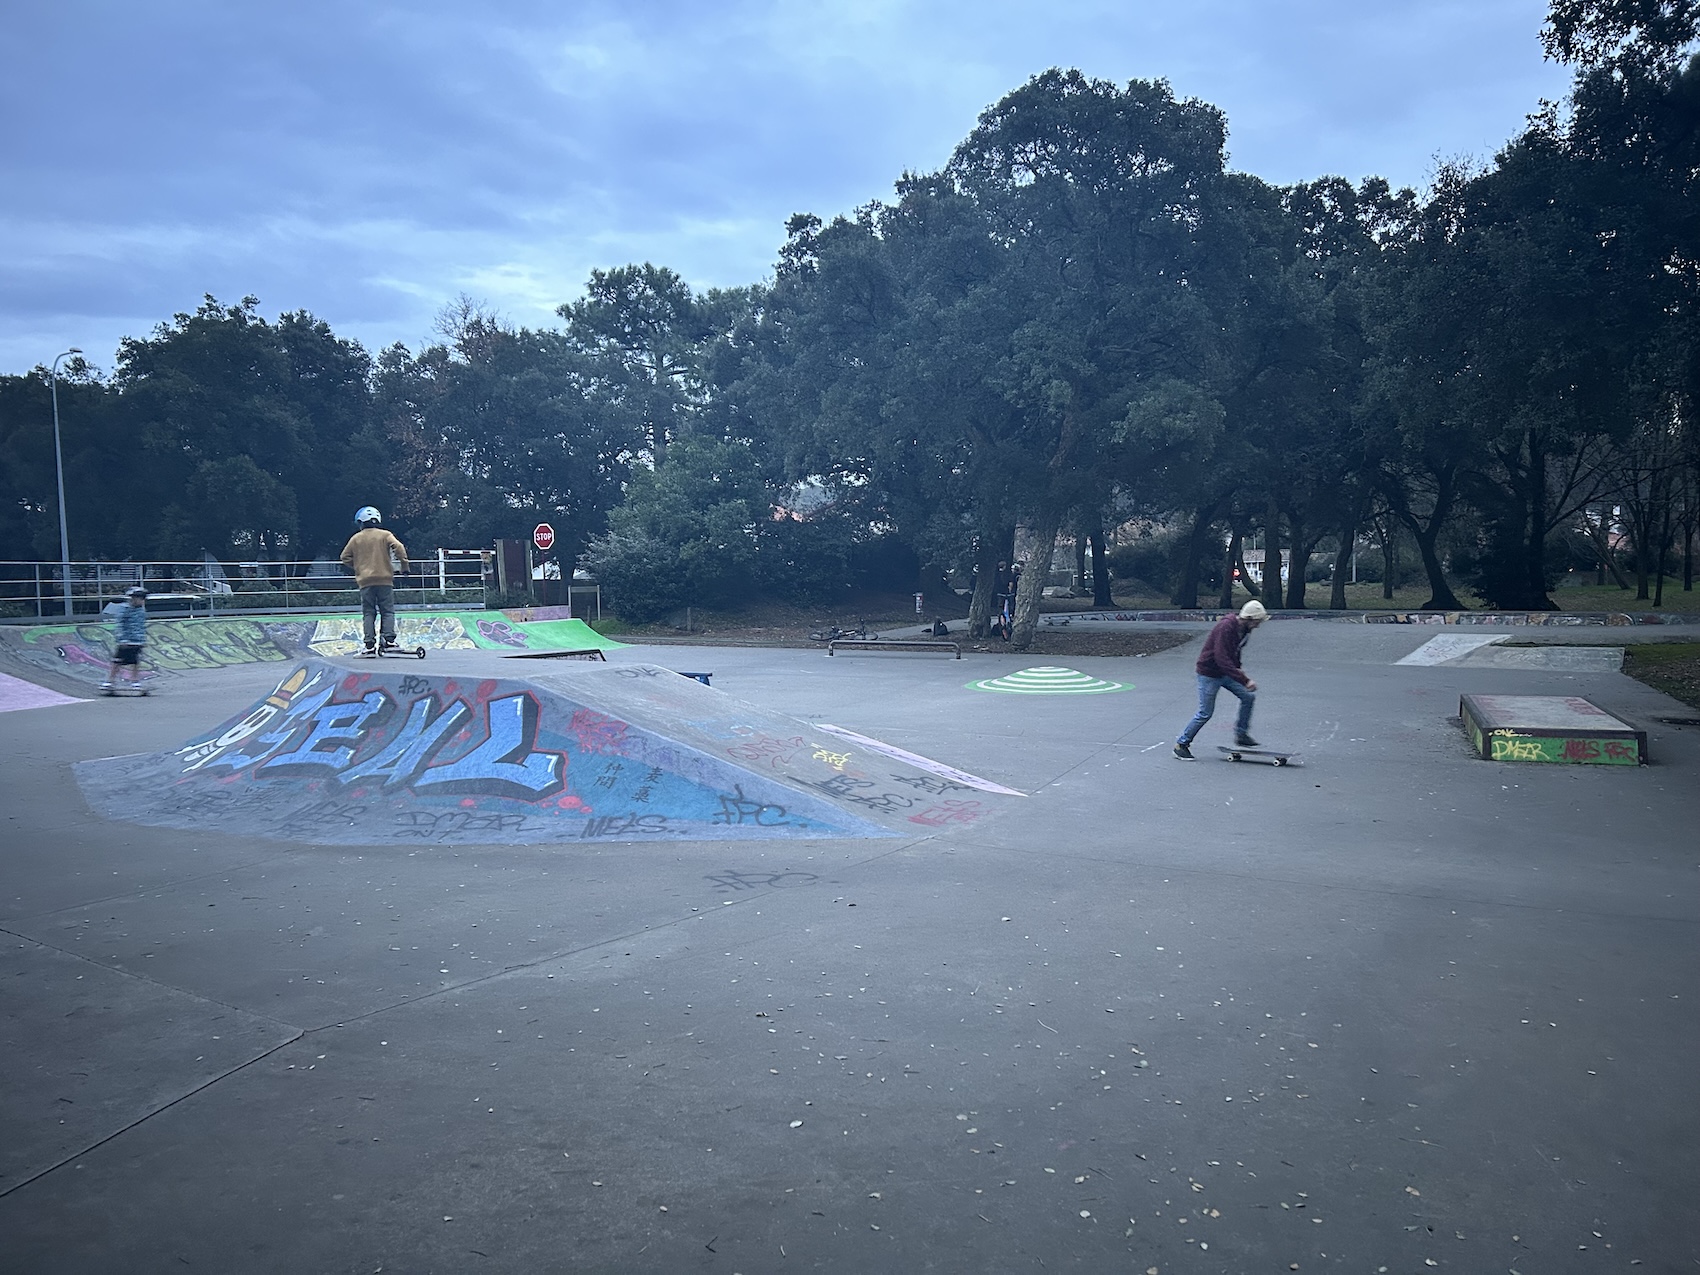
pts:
pixel 1245 741
pixel 1183 752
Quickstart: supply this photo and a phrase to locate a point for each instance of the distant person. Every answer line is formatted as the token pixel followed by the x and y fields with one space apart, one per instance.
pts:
pixel 132 625
pixel 374 555
pixel 1005 581
pixel 1219 668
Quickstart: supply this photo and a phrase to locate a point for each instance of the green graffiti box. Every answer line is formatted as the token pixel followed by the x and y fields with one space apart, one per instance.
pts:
pixel 1549 728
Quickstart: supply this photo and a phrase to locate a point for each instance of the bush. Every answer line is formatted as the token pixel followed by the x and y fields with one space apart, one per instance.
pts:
pixel 639 574
pixel 1152 558
pixel 496 600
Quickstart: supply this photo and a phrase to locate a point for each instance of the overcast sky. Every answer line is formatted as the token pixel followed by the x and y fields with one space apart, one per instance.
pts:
pixel 370 161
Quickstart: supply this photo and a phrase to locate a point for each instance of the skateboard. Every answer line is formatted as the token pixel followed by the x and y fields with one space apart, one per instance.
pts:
pixel 391 653
pixel 125 690
pixel 1268 756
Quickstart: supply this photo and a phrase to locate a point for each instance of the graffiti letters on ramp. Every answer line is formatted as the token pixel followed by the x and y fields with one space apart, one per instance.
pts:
pixel 337 757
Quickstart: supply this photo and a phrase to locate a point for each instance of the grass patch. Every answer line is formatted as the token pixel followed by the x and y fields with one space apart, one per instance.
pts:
pixel 1593 597
pixel 1671 667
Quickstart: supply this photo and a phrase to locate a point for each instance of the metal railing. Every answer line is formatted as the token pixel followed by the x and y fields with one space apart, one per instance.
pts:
pixel 37 590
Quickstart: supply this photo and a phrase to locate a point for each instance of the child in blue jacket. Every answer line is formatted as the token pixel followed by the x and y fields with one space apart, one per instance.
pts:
pixel 132 624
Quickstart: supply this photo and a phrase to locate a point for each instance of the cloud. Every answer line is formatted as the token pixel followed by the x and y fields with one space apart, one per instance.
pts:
pixel 370 162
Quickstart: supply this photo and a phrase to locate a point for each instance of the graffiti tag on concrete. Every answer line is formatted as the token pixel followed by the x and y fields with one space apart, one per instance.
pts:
pixel 312 733
pixel 731 881
pixel 1505 745
pixel 343 634
pixel 948 812
pixel 210 644
pixel 501 633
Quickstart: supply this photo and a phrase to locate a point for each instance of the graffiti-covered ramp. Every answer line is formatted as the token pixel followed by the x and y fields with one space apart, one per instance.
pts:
pixel 82 652
pixel 340 756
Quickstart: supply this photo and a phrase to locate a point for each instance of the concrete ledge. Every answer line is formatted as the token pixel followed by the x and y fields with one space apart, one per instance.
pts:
pixel 1549 728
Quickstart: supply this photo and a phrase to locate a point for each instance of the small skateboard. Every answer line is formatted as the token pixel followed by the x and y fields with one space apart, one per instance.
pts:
pixel 125 690
pixel 1267 756
pixel 391 653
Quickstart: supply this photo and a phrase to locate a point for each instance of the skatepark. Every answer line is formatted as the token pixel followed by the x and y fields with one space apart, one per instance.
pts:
pixel 512 960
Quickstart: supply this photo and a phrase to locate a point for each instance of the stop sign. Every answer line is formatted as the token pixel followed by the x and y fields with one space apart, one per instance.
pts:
pixel 543 536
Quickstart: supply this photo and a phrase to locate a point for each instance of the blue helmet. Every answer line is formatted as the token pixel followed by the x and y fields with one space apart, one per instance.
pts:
pixel 367 516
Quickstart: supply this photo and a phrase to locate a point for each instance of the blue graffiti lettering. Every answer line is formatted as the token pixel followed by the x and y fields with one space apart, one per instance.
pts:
pixel 506 763
pixel 331 723
pixel 268 741
pixel 414 744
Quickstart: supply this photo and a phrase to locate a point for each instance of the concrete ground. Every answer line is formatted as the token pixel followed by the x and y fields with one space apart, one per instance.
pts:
pixel 1400 1010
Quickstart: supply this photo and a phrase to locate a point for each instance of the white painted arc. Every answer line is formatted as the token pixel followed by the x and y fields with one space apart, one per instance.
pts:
pixel 1048 680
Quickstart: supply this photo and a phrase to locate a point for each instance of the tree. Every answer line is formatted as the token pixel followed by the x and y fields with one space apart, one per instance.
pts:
pixel 686 534
pixel 500 429
pixel 241 431
pixel 1605 33
pixel 641 332
pixel 1098 196
pixel 95 491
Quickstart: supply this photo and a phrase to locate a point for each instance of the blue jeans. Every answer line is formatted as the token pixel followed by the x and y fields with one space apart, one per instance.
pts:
pixel 1207 688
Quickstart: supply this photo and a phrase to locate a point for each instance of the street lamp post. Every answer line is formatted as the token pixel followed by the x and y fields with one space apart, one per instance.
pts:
pixel 59 467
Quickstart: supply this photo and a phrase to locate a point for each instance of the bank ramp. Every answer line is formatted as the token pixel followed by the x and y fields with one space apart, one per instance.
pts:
pixel 593 752
pixel 83 652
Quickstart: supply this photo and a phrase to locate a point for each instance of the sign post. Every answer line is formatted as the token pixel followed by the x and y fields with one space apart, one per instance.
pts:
pixel 543 536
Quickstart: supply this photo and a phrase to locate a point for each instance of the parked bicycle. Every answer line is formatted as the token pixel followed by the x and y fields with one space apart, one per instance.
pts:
pixel 835 634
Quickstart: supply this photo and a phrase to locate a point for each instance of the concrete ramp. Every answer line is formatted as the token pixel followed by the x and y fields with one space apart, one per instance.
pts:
pixel 83 651
pixel 624 752
pixel 1475 650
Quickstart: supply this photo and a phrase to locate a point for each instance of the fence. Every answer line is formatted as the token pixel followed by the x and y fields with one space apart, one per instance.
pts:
pixel 39 590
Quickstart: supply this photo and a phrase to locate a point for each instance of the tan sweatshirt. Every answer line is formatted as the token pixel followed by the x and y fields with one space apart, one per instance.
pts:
pixel 367 554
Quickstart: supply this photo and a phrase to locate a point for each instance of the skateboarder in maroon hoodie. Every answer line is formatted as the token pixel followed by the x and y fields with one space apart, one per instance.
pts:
pixel 1219 668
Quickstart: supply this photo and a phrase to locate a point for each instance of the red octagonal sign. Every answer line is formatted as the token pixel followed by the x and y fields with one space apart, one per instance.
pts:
pixel 543 536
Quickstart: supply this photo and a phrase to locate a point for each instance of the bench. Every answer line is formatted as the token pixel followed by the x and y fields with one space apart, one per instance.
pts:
pixel 891 644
